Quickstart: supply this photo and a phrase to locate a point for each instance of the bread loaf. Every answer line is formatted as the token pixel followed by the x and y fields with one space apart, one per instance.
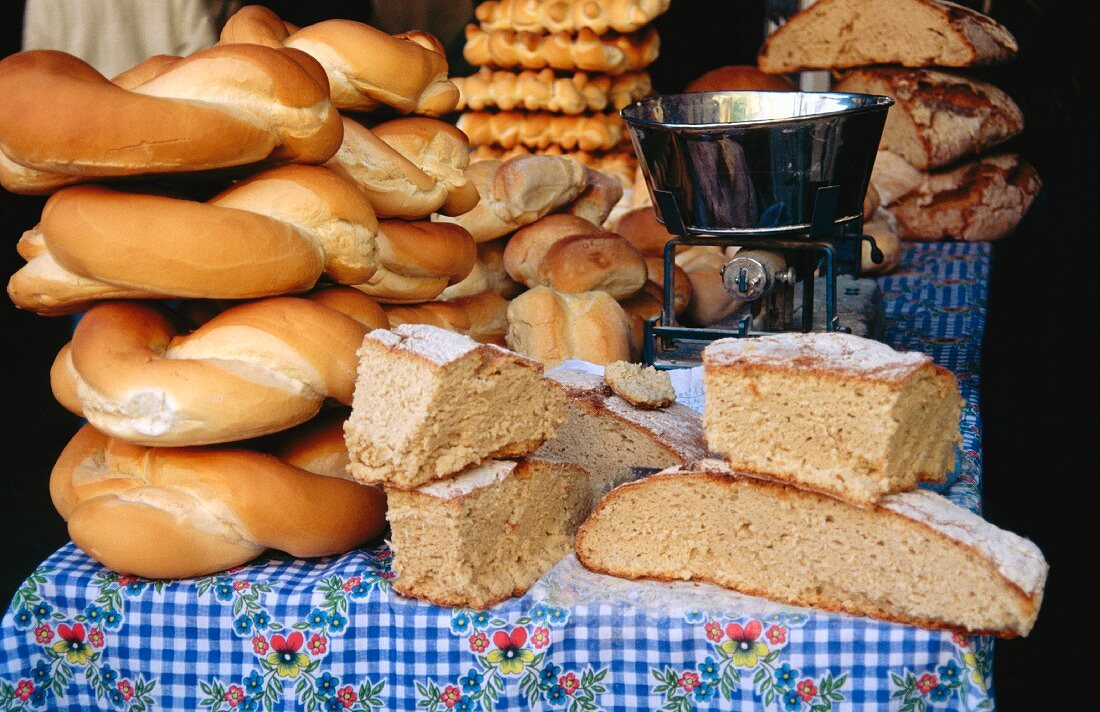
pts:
pixel 95 243
pixel 507 129
pixel 366 67
pixel 418 260
pixel 569 254
pixel 913 558
pixel 438 149
pixel 648 303
pixel 710 302
pixel 222 107
pixel 602 192
pixel 618 163
pixel 641 228
pixel 353 303
pixel 429 403
pixel 562 51
pixel 183 512
pixel 888 420
pixel 835 34
pixel 552 326
pixel 517 192
pixel 488 273
pixel 544 91
pixel 569 15
pixel 641 386
pixel 257 368
pixel 483 317
pixel 938 117
pixel 739 77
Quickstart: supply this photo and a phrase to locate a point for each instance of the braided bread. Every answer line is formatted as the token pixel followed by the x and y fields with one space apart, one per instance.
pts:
pixel 507 129
pixel 366 67
pixel 181 512
pixel 97 243
pixel 483 317
pixel 543 91
pixel 418 260
pixel 256 368
pixel 62 122
pixel 517 192
pixel 569 15
pixel 585 51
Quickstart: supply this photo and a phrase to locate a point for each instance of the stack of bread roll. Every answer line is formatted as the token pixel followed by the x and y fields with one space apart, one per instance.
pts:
pixel 939 174
pixel 228 180
pixel 553 75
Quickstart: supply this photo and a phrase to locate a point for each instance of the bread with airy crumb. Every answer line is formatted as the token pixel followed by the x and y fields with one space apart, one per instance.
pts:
pixel 641 386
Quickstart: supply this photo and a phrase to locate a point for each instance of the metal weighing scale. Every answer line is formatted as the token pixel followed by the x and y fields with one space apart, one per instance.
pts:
pixel 780 175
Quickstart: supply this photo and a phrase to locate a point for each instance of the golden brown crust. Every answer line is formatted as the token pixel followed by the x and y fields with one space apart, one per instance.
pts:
pixel 611 53
pixel 739 77
pixel 508 129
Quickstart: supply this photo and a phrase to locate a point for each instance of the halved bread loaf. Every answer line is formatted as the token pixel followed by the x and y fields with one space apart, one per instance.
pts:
pixel 487 534
pixel 608 436
pixel 834 34
pixel 832 412
pixel 913 558
pixel 428 403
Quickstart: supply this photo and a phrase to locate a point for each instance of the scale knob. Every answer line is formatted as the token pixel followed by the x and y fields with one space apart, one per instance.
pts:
pixel 753 273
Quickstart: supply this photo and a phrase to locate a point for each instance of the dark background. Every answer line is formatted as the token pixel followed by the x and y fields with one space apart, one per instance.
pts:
pixel 1039 370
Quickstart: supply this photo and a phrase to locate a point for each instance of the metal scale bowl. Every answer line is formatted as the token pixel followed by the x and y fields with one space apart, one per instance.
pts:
pixel 780 175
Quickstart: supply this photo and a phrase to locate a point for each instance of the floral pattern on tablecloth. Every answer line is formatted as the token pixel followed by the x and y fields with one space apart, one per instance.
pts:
pixel 331 634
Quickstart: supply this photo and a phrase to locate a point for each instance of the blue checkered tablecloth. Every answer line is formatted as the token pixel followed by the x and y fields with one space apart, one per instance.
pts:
pixel 284 634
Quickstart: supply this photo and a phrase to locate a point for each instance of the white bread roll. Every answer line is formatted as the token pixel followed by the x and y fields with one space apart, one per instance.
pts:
pixel 551 327
pixel 488 273
pixel 418 260
pixel 183 512
pixel 219 108
pixel 483 317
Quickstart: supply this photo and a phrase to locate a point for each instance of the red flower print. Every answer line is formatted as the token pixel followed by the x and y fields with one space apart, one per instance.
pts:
pixel 234 695
pixel 74 634
pixel 748 634
pixel 569 683
pixel 714 631
pixel 24 690
pixel 688 681
pixel 776 635
pixel 479 642
pixel 126 689
pixel 388 575
pixel 234 570
pixel 806 689
pixel 961 639
pixel 352 583
pixel 43 633
pixel 259 644
pixel 540 638
pixel 318 644
pixel 95 637
pixel 515 639
pixel 240 585
pixel 450 696
pixel 926 682
pixel 290 644
pixel 124 581
pixel 510 654
pixel 347 696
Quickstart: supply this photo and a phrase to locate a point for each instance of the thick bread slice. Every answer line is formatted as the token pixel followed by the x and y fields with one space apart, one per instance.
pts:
pixel 831 412
pixel 835 34
pixel 429 403
pixel 487 534
pixel 914 558
pixel 938 117
pixel 607 436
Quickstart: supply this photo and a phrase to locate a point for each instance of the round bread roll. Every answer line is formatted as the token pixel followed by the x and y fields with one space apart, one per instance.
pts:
pixel 226 106
pixel 483 317
pixel 488 273
pixel 641 228
pixel 570 254
pixel 710 302
pixel 183 512
pixel 600 195
pixel 552 326
pixel 418 260
pixel 736 77
pixel 257 368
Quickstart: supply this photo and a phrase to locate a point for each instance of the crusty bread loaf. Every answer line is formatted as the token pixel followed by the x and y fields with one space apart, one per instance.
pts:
pixel 859 419
pixel 710 302
pixel 183 512
pixel 937 117
pixel 97 243
pixel 483 316
pixel 488 533
pixel 544 91
pixel 488 273
pixel 569 15
pixel 507 129
pixel 984 199
pixel 239 105
pixel 317 446
pixel 602 192
pixel 835 34
pixel 913 558
pixel 641 386
pixel 608 436
pixel 648 302
pixel 438 149
pixel 257 368
pixel 620 163
pixel 611 53
pixel 349 301
pixel 429 403
pixel 893 178
pixel 553 326
pixel 418 260
pixel 517 192
pixel 641 228
pixel 739 77
pixel 366 67
pixel 570 254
